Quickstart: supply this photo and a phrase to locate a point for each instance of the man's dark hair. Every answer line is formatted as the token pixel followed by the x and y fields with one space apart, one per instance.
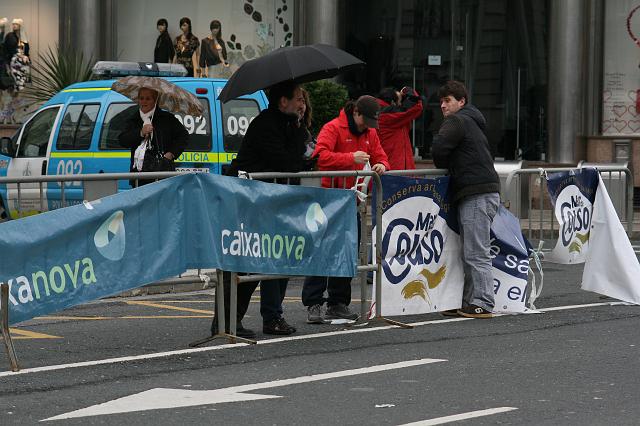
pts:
pixel 453 88
pixel 388 94
pixel 162 21
pixel 279 90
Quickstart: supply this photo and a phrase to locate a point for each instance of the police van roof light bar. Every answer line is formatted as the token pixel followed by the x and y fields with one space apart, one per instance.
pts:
pixel 110 69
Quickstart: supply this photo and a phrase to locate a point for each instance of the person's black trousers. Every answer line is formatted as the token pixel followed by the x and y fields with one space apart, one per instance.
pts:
pixel 272 294
pixel 337 288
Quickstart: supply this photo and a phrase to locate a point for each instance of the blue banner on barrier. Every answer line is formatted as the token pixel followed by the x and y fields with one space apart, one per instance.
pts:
pixel 572 196
pixel 422 253
pixel 69 256
pixel 509 248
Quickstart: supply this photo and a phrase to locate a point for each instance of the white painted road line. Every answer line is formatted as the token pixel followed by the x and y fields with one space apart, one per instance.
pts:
pixel 460 417
pixel 160 398
pixel 261 342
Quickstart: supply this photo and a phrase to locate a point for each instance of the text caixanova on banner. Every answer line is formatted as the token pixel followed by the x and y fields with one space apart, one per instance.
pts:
pixel 73 255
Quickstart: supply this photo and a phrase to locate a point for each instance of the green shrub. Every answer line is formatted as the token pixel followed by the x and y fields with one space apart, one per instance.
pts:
pixel 56 69
pixel 327 98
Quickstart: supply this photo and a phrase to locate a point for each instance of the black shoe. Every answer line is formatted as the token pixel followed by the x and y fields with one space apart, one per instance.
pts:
pixel 286 324
pixel 450 313
pixel 246 333
pixel 277 326
pixel 473 311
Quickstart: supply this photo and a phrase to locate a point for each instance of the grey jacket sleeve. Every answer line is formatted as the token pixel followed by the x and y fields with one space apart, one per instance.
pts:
pixel 449 136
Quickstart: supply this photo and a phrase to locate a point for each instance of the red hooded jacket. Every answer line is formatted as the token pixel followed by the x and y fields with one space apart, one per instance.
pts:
pixel 395 124
pixel 335 148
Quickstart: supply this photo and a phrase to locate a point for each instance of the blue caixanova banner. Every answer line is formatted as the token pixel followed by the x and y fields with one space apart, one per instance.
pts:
pixel 81 253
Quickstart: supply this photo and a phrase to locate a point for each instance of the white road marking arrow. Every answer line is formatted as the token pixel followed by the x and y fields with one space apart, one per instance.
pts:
pixel 159 398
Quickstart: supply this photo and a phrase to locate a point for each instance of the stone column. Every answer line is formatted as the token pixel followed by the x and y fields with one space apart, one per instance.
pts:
pixel 87 26
pixel 566 76
pixel 321 20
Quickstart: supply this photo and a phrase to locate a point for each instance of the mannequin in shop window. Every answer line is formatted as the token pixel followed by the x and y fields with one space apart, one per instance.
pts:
pixel 164 51
pixel 16 47
pixel 13 39
pixel 213 53
pixel 186 47
pixel 3 27
pixel 6 81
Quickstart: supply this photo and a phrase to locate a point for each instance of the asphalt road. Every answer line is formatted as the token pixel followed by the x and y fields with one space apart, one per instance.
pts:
pixel 568 365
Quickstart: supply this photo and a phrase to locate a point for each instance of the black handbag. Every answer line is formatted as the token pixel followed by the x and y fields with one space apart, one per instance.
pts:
pixel 155 161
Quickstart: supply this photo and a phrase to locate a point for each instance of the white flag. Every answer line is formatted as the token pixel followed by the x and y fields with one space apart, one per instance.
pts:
pixel 611 266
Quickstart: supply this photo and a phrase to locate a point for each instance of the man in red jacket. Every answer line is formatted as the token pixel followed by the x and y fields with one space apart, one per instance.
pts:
pixel 347 142
pixel 399 109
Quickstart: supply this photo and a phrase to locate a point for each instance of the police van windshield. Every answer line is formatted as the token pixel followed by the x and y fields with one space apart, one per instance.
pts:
pixel 199 128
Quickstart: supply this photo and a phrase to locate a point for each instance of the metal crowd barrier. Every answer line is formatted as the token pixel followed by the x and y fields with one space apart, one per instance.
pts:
pixel 364 265
pixel 22 183
pixel 542 219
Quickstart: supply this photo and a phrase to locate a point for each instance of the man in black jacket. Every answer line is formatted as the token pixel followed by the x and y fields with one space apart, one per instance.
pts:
pixel 461 146
pixel 274 142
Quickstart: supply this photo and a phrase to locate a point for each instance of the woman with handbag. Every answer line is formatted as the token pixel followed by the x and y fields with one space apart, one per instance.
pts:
pixel 156 138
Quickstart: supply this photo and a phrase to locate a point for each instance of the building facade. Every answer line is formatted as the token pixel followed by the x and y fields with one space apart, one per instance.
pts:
pixel 556 79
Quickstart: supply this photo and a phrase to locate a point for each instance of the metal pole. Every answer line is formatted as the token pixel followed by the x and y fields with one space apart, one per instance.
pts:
pixel 233 305
pixel 530 201
pixel 413 122
pixel 220 316
pixel 378 245
pixel 8 343
pixel 629 202
pixel 364 259
pixel 378 251
pixel 19 201
pixel 518 153
pixel 41 197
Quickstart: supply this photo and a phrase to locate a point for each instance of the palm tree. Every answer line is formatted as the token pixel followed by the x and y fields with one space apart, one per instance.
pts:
pixel 56 69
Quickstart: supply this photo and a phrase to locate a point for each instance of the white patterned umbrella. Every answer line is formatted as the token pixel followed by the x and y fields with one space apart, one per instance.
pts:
pixel 171 97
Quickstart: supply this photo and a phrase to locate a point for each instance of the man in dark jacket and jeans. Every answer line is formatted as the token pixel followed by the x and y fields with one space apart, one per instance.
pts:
pixel 461 146
pixel 274 142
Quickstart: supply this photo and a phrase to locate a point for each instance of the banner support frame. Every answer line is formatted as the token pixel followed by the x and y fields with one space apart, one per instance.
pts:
pixel 6 334
pixel 219 313
pixel 378 252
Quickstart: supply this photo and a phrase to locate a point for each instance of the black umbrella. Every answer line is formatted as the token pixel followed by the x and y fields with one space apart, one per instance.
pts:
pixel 299 63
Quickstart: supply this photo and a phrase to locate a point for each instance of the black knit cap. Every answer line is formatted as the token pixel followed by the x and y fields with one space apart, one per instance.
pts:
pixel 369 108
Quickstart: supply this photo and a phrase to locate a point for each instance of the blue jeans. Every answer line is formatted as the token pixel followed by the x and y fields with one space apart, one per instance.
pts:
pixel 475 215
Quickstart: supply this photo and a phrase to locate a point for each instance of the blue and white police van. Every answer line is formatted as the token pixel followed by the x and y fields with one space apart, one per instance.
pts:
pixel 76 132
